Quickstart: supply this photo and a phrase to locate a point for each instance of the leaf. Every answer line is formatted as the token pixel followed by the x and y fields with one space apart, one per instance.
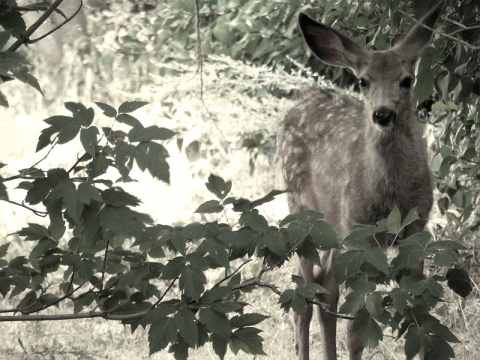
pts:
pixel 225 306
pixel 459 281
pixel 152 157
pixel 122 221
pixel 140 134
pixel 34 232
pixel 192 281
pixel 219 345
pixel 130 106
pixel 38 192
pixel 309 252
pixel 116 196
pixel 80 113
pixel 374 304
pixel 5 36
pixel 215 322
pixel 411 217
pixel 254 221
pixel 348 264
pixel 400 298
pixel 273 240
pixel 214 294
pixel 187 327
pixel 268 198
pixel 394 221
pixel 74 201
pixel 323 236
pixel 3 190
pixel 108 110
pixel 217 186
pixel 88 137
pixel 129 120
pixel 162 332
pixel 4 249
pixel 210 207
pixel 367 329
pixel 247 340
pixel 378 259
pixel 66 127
pixel 310 290
pixel 243 320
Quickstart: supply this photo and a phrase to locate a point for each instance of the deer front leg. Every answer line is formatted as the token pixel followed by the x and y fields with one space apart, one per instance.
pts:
pixel 328 322
pixel 302 333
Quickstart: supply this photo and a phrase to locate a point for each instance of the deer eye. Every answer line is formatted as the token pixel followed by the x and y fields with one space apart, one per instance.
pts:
pixel 407 82
pixel 363 83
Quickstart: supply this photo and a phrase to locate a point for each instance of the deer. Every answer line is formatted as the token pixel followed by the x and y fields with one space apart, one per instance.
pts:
pixel 354 158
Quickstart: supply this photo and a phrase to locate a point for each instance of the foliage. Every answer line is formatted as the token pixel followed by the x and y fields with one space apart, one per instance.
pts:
pixel 96 252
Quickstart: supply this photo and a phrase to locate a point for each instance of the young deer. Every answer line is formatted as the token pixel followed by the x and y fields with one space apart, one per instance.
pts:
pixel 355 160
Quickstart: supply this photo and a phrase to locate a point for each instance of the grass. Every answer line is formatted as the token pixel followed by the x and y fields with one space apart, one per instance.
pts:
pixel 214 126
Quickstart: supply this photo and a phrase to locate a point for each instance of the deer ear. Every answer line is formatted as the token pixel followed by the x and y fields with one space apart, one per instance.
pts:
pixel 329 45
pixel 418 37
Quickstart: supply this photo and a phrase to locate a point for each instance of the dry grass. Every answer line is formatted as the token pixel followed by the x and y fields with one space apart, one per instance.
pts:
pixel 226 111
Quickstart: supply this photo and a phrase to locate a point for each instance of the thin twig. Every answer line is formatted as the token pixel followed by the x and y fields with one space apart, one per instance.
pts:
pixel 32 41
pixel 471 47
pixel 25 38
pixel 36 212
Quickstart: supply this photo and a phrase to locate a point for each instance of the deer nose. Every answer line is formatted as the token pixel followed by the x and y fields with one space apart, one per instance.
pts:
pixel 384 116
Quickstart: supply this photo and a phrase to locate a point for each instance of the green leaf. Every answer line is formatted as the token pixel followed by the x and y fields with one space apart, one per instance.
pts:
pixel 210 207
pixel 273 240
pixel 3 190
pixel 116 196
pixel 152 157
pixel 243 320
pixel 122 221
pixel 192 281
pixel 187 327
pixel 268 198
pixel 130 106
pixel 323 236
pixel 247 340
pixel 254 221
pixel 225 306
pixel 88 137
pixel 74 201
pixel 66 127
pixel 215 322
pixel 374 304
pixel 378 259
pixel 108 110
pixel 129 120
pixel 367 328
pixel 214 294
pixel 219 187
pixel 219 345
pixel 348 264
pixel 459 281
pixel 4 249
pixel 140 134
pixel 411 217
pixel 34 232
pixel 162 332
pixel 310 290
pixel 5 36
pixel 394 221
pixel 80 113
